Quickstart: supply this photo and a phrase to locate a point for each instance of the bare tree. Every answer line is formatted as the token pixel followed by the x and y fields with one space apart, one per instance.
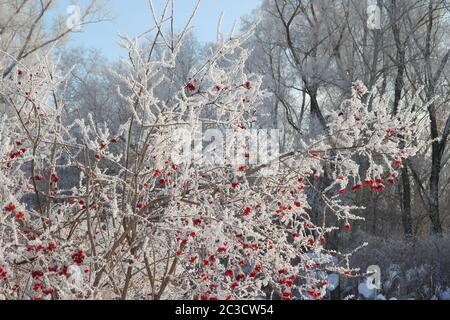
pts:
pixel 23 31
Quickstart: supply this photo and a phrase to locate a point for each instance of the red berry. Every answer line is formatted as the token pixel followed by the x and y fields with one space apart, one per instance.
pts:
pixel 37 274
pixel 314 294
pixel 10 207
pixel 54 178
pixel 140 206
pixel 157 173
pixel 390 132
pixel 287 296
pixel 240 277
pixel 397 163
pixel 229 273
pixel 191 87
pixel 20 215
pixel 47 292
pixel 222 250
pixel 37 287
pixel 247 211
pixel 282 271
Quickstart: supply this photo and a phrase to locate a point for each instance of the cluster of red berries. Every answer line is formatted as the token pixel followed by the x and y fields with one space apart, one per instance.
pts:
pixel 10 207
pixel 347 227
pixel 197 222
pixel 78 257
pixel 16 154
pixel 376 185
pixel 54 178
pixel 286 296
pixel 37 274
pixel 288 282
pixel 40 287
pixel 390 132
pixel 64 271
pixel 3 273
pixel 40 248
pixel 222 250
pixel 255 272
pixel 314 293
pixel 392 178
pixel 229 273
pixel 191 87
pixel 210 261
pixel 164 177
pixel 314 155
pixel 103 146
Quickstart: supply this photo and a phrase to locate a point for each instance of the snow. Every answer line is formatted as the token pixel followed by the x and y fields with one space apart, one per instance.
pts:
pixel 445 295
pixel 333 282
pixel 365 291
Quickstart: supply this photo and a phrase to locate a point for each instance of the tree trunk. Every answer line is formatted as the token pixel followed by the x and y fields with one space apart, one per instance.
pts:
pixel 405 188
pixel 434 189
pixel 406 204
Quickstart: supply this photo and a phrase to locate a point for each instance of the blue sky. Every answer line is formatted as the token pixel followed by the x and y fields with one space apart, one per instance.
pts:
pixel 133 17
